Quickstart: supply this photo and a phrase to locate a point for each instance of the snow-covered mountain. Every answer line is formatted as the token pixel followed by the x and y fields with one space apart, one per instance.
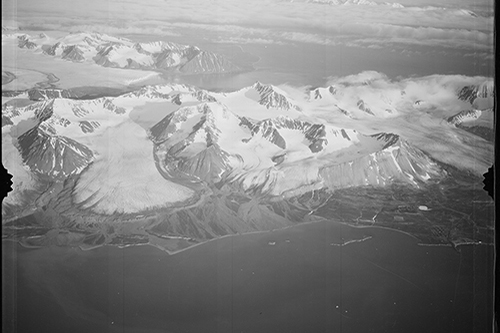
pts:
pixel 109 51
pixel 353 102
pixel 55 156
pixel 261 140
pixel 477 122
pixel 25 43
pixel 320 92
pixel 472 92
pixel 280 155
pixel 47 94
pixel 464 116
pixel 271 97
pixel 184 162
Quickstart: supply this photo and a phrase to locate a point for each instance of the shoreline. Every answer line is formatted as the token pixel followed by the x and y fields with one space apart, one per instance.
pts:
pixel 380 227
pixel 171 253
pixel 226 236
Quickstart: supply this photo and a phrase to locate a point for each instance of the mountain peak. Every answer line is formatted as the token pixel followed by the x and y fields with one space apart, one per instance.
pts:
pixel 273 97
pixel 470 93
pixel 117 52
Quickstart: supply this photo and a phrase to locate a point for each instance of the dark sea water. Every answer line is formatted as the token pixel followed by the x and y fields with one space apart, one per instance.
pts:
pixel 302 283
pixel 312 65
pixel 309 64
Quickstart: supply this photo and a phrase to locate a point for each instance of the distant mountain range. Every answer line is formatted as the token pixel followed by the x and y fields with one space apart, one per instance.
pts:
pixel 108 51
pixel 356 2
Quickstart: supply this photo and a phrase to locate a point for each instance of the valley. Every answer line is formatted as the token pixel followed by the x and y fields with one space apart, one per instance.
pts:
pixel 248 166
pixel 452 219
pixel 173 165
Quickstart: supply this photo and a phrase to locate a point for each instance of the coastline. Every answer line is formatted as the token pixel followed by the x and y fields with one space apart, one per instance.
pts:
pixel 170 252
pixel 380 227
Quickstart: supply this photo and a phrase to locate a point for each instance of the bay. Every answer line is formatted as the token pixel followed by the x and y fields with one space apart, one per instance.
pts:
pixel 293 280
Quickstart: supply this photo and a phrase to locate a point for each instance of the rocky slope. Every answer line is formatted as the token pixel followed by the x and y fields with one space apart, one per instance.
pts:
pixel 477 122
pixel 281 155
pixel 186 165
pixel 54 156
pixel 464 116
pixel 472 92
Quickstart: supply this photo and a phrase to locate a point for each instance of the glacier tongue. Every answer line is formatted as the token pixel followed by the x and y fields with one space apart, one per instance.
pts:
pixel 261 140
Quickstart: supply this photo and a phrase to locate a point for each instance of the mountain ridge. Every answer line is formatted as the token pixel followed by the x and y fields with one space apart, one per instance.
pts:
pixel 262 140
pixel 109 51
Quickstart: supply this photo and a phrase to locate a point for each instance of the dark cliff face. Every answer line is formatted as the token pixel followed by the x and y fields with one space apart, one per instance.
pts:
pixel 88 126
pixel 464 116
pixel 208 165
pixel 470 121
pixel 178 152
pixel 57 157
pixel 6 121
pixel 44 110
pixel 362 106
pixel 53 49
pixel 101 58
pixel 165 60
pixel 163 129
pixel 43 94
pixel 187 147
pixel 73 53
pixel 396 161
pixel 26 44
pixel 471 93
pixel 269 131
pixel 272 99
pixel 389 139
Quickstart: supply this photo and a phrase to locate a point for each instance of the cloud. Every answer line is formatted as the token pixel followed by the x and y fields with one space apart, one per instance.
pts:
pixel 243 40
pixel 111 30
pixel 363 78
pixel 392 31
pixel 442 86
pixel 272 20
pixel 307 38
pixel 423 125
